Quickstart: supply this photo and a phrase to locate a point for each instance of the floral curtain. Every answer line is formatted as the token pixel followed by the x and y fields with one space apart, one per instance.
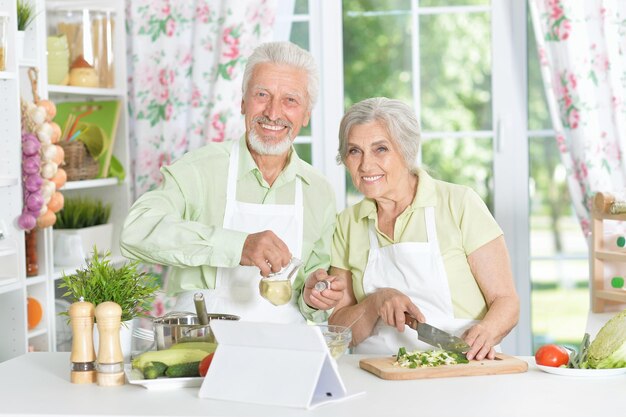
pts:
pixel 582 51
pixel 185 67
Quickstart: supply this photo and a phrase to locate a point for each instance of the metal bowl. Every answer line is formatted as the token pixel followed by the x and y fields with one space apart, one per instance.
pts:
pixel 182 326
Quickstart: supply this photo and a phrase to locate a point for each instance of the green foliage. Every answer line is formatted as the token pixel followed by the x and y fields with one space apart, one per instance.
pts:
pixel 25 14
pixel 100 281
pixel 78 213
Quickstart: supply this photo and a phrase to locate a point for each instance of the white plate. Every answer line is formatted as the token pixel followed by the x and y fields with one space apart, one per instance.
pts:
pixel 133 376
pixel 582 372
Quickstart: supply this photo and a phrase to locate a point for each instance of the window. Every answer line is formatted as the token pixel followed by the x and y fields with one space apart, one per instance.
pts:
pixel 461 64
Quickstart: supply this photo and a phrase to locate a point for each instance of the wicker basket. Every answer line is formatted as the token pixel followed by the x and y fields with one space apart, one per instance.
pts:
pixel 79 164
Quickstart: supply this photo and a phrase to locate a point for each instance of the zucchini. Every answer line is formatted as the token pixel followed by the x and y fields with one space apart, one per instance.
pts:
pixel 208 347
pixel 183 370
pixel 153 370
pixel 169 357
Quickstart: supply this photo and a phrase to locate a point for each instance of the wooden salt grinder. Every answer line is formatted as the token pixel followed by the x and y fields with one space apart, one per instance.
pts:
pixel 83 357
pixel 110 357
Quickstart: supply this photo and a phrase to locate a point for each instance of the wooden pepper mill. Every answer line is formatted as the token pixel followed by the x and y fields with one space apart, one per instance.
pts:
pixel 110 357
pixel 83 356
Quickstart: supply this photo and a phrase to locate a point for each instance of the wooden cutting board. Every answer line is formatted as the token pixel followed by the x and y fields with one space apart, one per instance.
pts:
pixel 385 369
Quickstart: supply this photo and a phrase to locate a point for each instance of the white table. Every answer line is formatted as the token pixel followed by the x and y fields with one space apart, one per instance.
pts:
pixel 37 384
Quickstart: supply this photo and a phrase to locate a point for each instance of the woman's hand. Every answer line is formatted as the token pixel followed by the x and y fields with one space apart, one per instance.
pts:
pixel 391 305
pixel 481 340
pixel 328 298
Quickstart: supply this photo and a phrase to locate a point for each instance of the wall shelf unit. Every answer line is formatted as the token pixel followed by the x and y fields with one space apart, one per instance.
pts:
pixel 15 286
pixel 604 298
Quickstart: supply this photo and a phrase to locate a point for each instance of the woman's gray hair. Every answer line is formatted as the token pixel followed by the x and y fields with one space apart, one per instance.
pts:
pixel 397 117
pixel 285 53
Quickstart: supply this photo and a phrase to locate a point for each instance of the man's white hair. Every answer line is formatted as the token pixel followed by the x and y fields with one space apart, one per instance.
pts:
pixel 285 53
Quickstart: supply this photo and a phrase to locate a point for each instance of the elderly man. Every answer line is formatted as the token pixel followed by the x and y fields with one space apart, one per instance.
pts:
pixel 228 214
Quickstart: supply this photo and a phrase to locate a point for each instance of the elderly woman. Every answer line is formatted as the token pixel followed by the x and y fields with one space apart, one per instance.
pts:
pixel 414 244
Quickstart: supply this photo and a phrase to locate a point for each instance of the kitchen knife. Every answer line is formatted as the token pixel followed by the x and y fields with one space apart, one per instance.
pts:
pixel 437 337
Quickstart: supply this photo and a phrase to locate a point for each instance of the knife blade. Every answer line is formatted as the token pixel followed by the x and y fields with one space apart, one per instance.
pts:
pixel 437 337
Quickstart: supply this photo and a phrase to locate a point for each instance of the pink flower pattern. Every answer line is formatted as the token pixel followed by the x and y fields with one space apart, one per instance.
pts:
pixel 182 94
pixel 578 43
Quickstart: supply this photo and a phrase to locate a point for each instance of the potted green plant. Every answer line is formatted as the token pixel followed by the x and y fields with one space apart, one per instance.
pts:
pixel 82 224
pixel 100 280
pixel 25 16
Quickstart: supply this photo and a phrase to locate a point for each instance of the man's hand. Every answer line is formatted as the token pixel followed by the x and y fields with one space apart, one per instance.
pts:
pixel 265 251
pixel 327 298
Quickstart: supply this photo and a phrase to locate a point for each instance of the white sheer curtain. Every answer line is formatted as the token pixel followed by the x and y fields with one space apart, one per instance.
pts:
pixel 582 51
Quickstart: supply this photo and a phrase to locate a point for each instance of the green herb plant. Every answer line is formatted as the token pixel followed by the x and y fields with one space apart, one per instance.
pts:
pixel 25 14
pixel 78 213
pixel 100 281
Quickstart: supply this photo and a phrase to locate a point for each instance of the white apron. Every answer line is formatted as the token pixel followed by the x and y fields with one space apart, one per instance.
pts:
pixel 237 289
pixel 415 269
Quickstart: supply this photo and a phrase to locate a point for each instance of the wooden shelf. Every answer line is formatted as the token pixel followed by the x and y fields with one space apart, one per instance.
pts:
pixel 29 63
pixel 36 280
pixel 612 256
pixel 37 332
pixel 84 184
pixel 616 295
pixel 84 91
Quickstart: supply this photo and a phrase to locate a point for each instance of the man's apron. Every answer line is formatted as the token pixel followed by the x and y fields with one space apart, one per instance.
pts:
pixel 237 289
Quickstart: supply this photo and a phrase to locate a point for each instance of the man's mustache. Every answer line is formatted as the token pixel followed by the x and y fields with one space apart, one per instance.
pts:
pixel 278 122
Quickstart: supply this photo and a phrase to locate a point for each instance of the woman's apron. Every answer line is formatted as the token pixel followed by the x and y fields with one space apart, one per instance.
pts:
pixel 415 269
pixel 237 289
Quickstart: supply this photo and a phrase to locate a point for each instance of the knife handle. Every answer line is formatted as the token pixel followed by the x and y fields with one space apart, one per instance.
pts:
pixel 410 321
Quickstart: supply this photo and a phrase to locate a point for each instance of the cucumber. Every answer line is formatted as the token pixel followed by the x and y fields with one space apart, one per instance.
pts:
pixel 206 346
pixel 183 370
pixel 169 357
pixel 153 370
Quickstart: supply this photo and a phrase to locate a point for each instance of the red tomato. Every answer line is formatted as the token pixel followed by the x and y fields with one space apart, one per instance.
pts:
pixel 552 355
pixel 204 364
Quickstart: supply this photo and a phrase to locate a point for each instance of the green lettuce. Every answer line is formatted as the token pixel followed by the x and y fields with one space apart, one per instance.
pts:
pixel 608 349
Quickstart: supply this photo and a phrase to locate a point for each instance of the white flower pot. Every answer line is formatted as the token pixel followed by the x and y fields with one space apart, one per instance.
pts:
pixel 73 246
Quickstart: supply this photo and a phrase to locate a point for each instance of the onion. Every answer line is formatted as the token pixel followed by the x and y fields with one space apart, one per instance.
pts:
pixel 48 152
pixel 44 137
pixel 49 107
pixel 34 202
pixel 60 155
pixel 56 202
pixel 60 178
pixel 26 221
pixel 48 188
pixel 33 182
pixel 37 114
pixel 48 170
pixel 56 132
pixel 43 210
pixel 30 164
pixel 47 219
pixel 30 144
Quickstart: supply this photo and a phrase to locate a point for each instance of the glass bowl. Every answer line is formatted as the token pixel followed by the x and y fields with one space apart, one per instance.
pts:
pixel 337 339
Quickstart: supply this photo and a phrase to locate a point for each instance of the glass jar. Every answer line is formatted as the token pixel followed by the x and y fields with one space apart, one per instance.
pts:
pixel 89 34
pixel 4 24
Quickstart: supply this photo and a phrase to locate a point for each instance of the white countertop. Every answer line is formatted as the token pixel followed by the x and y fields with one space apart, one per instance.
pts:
pixel 37 384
